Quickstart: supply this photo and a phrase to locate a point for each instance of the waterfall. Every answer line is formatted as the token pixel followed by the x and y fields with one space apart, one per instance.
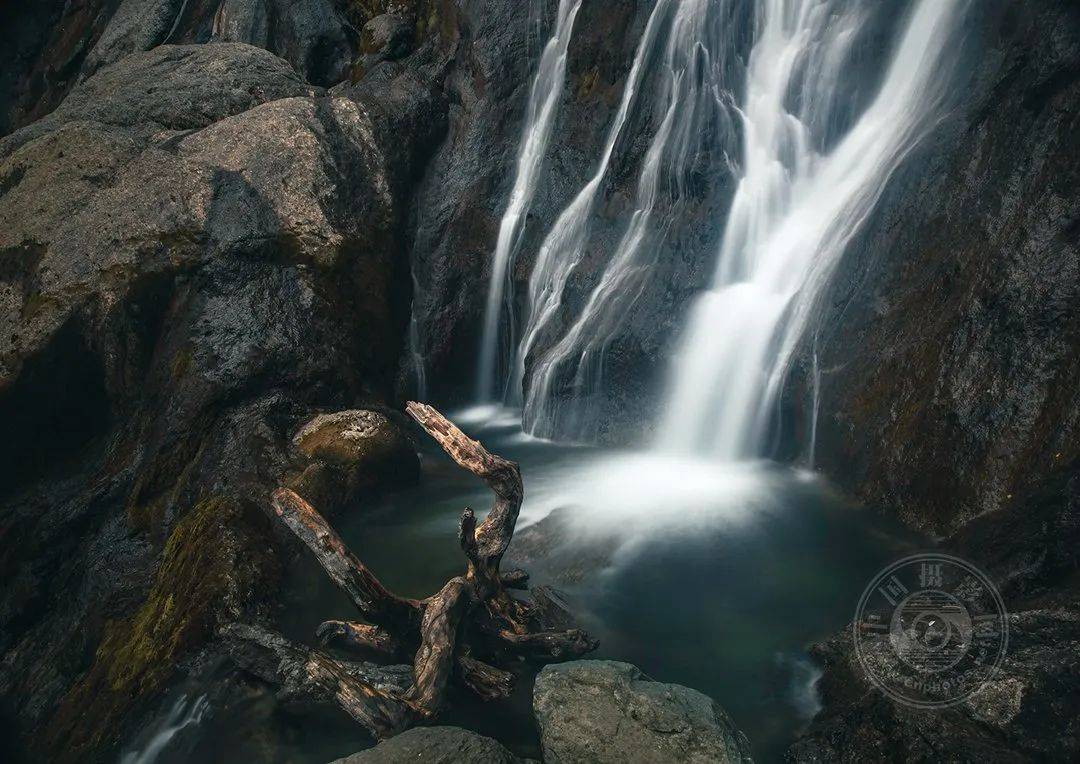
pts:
pixel 544 98
pixel 181 714
pixel 796 208
pixel 564 246
pixel 694 105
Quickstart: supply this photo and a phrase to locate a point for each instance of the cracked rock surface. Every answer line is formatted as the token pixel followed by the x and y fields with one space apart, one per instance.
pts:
pixel 607 711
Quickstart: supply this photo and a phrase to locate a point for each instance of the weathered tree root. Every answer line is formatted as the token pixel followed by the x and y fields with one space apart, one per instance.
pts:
pixel 454 635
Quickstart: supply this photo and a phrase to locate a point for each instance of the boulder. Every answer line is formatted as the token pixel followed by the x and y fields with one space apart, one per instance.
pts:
pixel 347 452
pixel 606 711
pixel 200 251
pixel 172 87
pixel 434 745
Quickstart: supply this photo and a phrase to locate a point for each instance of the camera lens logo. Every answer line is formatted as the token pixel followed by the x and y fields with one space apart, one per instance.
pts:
pixel 930 630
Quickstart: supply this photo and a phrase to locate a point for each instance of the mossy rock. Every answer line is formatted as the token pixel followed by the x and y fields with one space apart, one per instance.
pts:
pixel 347 453
pixel 214 562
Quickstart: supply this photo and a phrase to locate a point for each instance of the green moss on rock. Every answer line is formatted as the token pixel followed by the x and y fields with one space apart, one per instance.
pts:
pixel 213 562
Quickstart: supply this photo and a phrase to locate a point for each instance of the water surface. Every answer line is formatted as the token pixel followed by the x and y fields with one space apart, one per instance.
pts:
pixel 718 576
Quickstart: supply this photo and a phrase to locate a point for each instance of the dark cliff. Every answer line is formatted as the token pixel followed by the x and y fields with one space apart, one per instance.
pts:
pixel 949 353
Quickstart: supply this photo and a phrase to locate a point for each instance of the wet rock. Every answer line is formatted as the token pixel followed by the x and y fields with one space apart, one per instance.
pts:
pixel 948 341
pixel 348 453
pixel 604 711
pixel 438 745
pixel 214 560
pixel 1026 712
pixel 465 194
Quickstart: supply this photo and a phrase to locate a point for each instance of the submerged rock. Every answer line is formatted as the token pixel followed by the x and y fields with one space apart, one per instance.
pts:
pixel 556 548
pixel 434 745
pixel 605 711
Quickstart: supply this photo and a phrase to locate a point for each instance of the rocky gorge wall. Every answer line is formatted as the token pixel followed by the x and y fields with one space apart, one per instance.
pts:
pixel 948 357
pixel 201 248
pixel 456 231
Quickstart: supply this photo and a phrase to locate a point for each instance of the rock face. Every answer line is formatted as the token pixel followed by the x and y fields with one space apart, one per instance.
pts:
pixel 434 745
pixel 948 389
pixel 948 350
pixel 200 252
pixel 205 245
pixel 604 711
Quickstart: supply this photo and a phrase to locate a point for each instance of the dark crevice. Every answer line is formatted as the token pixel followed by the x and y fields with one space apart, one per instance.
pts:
pixel 55 409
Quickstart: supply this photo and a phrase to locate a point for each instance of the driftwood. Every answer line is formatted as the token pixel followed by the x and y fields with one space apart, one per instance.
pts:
pixel 461 634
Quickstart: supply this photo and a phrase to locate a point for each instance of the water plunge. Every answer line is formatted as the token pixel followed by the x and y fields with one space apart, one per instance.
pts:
pixel 544 99
pixel 809 174
pixel 794 212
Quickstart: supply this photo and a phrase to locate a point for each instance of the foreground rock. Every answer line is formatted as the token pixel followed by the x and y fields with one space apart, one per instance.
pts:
pixel 434 745
pixel 348 452
pixel 1023 714
pixel 605 711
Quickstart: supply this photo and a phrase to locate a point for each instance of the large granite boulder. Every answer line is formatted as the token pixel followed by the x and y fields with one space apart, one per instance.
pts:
pixel 172 87
pixel 434 745
pixel 605 711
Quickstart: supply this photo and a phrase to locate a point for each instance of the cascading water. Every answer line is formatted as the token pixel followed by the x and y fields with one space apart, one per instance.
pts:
pixel 795 209
pixel 812 167
pixel 564 246
pixel 695 107
pixel 544 98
